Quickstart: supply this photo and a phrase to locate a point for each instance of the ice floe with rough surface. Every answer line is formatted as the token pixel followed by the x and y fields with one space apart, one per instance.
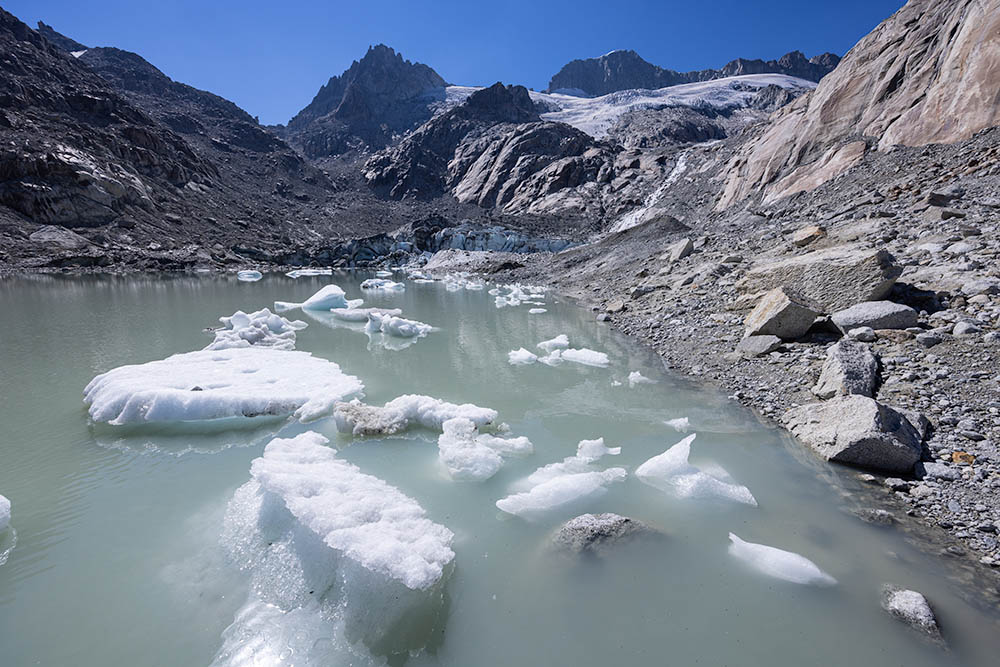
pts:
pixel 382 285
pixel 4 513
pixel 558 351
pixel 779 563
pixel 301 273
pixel 585 356
pixel 681 424
pixel 635 377
pixel 260 329
pixel 521 357
pixel 560 342
pixel 469 455
pixel 670 471
pixel 398 414
pixel 392 325
pixel 249 276
pixel 318 535
pixel 216 384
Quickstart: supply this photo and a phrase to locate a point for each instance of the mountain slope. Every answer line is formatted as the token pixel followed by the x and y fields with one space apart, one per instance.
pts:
pixel 928 74
pixel 625 70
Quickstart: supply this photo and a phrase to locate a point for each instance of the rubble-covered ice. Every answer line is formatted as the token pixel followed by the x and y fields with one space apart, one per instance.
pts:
pixel 300 273
pixel 398 414
pixel 261 329
pixel 391 325
pixel 216 384
pixel 681 424
pixel 778 563
pixel 470 455
pixel 670 471
pixel 635 377
pixel 249 276
pixel 4 513
pixel 383 285
pixel 317 534
pixel 560 491
pixel 521 357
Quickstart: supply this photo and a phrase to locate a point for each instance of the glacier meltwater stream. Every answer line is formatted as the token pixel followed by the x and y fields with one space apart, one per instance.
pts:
pixel 234 507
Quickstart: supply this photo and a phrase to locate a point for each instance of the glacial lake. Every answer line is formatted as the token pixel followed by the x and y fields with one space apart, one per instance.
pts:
pixel 119 557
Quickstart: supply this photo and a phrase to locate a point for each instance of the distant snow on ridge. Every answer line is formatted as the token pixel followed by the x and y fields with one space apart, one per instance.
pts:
pixel 596 115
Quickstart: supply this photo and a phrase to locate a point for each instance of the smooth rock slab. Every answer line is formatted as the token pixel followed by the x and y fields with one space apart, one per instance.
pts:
pixel 911 608
pixel 875 314
pixel 859 431
pixel 850 368
pixel 781 313
pixel 598 533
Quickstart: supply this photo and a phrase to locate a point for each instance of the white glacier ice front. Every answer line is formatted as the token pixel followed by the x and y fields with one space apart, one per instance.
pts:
pixel 216 384
pixel 670 471
pixel 779 563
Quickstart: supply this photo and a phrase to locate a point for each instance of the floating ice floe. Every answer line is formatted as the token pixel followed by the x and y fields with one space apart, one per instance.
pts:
pixel 670 471
pixel 383 285
pixel 398 414
pixel 681 424
pixel 383 274
pixel 516 294
pixel 571 480
pixel 585 356
pixel 537 311
pixel 471 456
pixel 300 273
pixel 558 351
pixel 4 513
pixel 521 357
pixel 361 314
pixel 261 329
pixel 317 535
pixel 635 377
pixel 391 325
pixel 453 282
pixel 418 275
pixel 216 384
pixel 778 563
pixel 327 298
pixel 249 276
pixel 560 342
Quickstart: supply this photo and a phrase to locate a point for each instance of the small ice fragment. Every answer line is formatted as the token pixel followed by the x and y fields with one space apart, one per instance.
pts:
pixel 553 358
pixel 249 276
pixel 778 563
pixel 462 454
pixel 383 274
pixel 635 377
pixel 396 326
pixel 260 329
pixel 383 285
pixel 560 491
pixel 670 471
pixel 361 314
pixel 4 513
pixel 521 357
pixel 560 342
pixel 537 311
pixel 358 418
pixel 594 450
pixel 506 447
pixel 328 297
pixel 681 424
pixel 215 384
pixel 585 356
pixel 616 383
pixel 587 453
pixel 299 273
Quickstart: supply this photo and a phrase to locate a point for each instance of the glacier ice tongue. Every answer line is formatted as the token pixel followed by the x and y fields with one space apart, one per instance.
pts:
pixel 778 563
pixel 216 384
pixel 670 471
pixel 398 414
pixel 261 328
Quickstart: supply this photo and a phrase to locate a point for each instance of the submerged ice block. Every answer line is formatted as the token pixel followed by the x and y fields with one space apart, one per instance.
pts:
pixel 779 563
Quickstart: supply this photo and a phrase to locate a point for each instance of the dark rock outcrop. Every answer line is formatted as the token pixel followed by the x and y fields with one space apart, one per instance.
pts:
pixel 623 70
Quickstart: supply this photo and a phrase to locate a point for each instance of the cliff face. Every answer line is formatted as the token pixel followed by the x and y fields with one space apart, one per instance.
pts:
pixel 624 70
pixel 928 74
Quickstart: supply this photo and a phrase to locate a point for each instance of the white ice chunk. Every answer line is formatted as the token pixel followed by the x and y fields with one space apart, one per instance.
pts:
pixel 261 329
pixel 4 513
pixel 463 456
pixel 506 447
pixel 330 296
pixel 357 515
pixel 521 357
pixel 396 415
pixel 560 342
pixel 585 356
pixel 537 311
pixel 215 384
pixel 553 358
pixel 635 377
pixel 778 563
pixel 670 471
pixel 361 314
pixel 560 491
pixel 383 285
pixel 587 452
pixel 299 273
pixel 249 276
pixel 681 424
pixel 383 274
pixel 396 326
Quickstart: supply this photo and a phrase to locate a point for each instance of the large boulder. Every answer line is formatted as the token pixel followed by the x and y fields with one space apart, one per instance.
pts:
pixel 850 368
pixel 858 431
pixel 911 608
pixel 875 315
pixel 781 313
pixel 596 533
pixel 835 278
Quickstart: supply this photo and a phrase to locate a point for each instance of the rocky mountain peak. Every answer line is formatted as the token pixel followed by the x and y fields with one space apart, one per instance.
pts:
pixel 58 39
pixel 503 104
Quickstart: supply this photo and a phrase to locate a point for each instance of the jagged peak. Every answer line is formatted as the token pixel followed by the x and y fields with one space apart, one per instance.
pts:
pixel 58 39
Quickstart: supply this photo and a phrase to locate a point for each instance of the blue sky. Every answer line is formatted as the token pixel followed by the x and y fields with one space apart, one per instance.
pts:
pixel 271 57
